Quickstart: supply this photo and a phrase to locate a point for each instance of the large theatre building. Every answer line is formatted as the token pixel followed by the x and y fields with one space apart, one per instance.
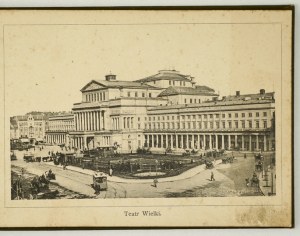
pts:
pixel 111 114
pixel 169 111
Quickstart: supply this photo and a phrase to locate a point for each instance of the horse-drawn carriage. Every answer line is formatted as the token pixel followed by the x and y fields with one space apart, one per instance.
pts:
pixel 259 157
pixel 259 160
pixel 253 182
pixel 209 165
pixel 28 157
pixel 41 183
pixel 226 160
pixel 13 156
pixel 259 166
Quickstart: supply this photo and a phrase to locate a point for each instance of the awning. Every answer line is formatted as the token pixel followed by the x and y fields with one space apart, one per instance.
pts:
pixel 24 140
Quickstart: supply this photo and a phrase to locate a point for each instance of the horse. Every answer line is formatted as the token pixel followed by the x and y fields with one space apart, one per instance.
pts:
pixel 50 176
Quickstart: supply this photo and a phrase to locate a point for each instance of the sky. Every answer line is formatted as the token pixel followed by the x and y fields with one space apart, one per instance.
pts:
pixel 47 65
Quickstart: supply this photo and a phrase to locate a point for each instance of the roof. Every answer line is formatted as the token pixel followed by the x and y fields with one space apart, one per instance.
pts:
pixel 62 116
pixel 166 75
pixel 35 117
pixel 118 84
pixel 210 104
pixel 244 97
pixel 203 87
pixel 187 91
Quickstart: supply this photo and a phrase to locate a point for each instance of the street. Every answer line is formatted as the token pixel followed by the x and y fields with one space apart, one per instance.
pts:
pixel 229 181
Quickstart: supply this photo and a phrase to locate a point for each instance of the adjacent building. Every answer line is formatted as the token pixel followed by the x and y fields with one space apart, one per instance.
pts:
pixel 32 127
pixel 243 122
pixel 59 127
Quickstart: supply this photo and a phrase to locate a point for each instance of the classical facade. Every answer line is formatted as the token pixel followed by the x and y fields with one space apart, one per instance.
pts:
pixel 169 111
pixel 114 113
pixel 32 127
pixel 243 122
pixel 59 127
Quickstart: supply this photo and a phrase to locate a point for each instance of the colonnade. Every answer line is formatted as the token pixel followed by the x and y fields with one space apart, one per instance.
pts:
pixel 251 142
pixel 81 142
pixel 89 121
pixel 56 138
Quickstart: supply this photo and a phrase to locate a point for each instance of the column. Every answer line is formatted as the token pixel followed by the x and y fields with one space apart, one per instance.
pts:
pixel 235 141
pixel 204 141
pixel 76 121
pixel 79 120
pixel 243 142
pixel 257 147
pixel 89 120
pixel 94 120
pixel 176 141
pixel 103 121
pixel 193 141
pixel 187 141
pixel 250 143
pixel 223 146
pixel 152 141
pixel 265 143
pixel 217 142
pixel 84 121
pixel 199 142
pixel 229 142
pixel 210 142
pixel 99 120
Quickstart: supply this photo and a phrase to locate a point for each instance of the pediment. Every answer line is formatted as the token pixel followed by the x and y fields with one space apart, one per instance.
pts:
pixel 92 86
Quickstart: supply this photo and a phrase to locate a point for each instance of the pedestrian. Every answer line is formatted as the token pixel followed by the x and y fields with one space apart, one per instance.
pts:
pixel 110 171
pixel 245 156
pixel 155 181
pixel 212 178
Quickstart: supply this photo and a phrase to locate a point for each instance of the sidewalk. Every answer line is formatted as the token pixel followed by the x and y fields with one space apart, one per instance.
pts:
pixel 185 175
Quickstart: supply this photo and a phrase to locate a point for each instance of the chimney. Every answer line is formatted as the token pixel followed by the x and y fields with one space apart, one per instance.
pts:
pixel 110 77
pixel 262 91
pixel 237 93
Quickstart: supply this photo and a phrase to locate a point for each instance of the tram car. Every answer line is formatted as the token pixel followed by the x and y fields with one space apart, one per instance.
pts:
pixel 99 181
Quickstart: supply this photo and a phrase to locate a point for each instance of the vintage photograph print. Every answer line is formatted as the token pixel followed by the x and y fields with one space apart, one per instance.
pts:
pixel 147 117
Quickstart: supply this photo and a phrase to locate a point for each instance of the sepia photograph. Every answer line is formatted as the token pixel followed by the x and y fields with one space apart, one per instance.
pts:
pixel 154 109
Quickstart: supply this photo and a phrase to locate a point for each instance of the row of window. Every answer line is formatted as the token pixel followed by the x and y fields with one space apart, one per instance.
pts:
pixel 93 97
pixel 208 125
pixel 30 129
pixel 205 116
pixel 173 82
pixel 127 122
pixel 137 94
pixel 195 100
